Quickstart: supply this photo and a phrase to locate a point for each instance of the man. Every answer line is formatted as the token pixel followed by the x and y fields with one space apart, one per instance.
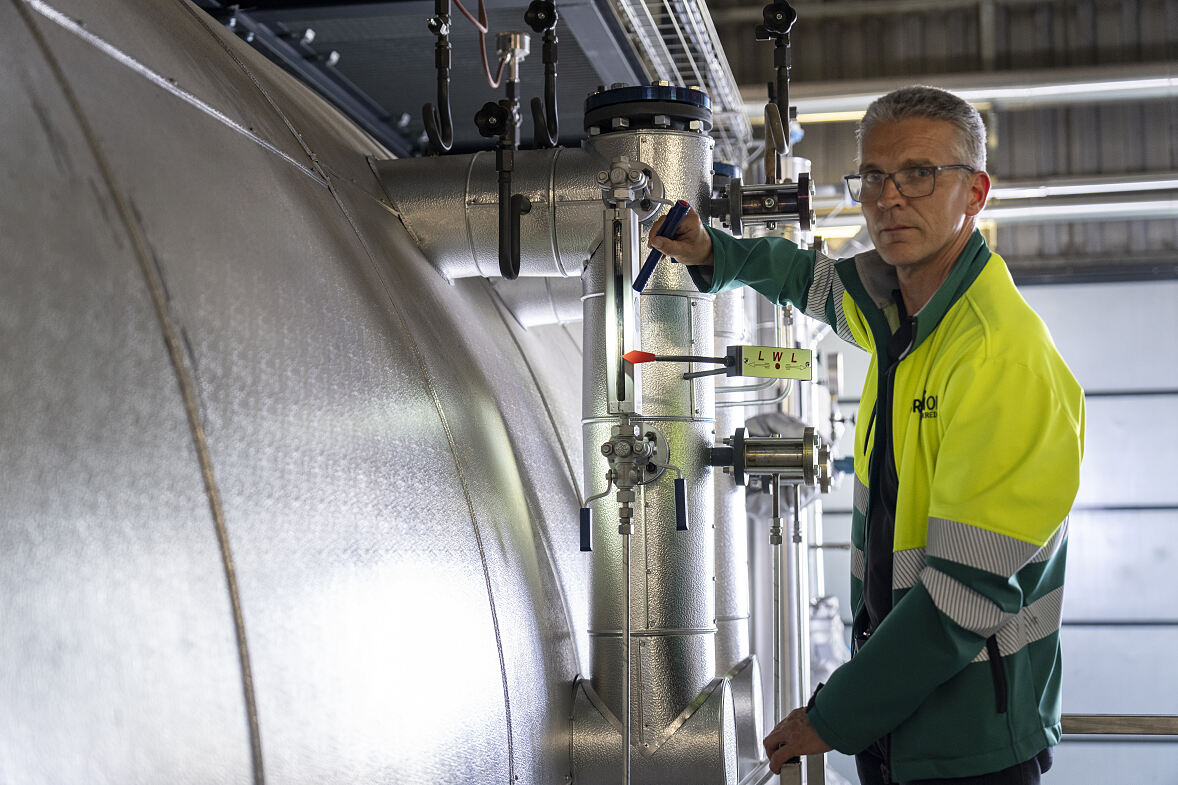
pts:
pixel 967 458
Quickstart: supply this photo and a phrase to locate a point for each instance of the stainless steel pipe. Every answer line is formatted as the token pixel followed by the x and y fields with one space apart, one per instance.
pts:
pixel 556 235
pixel 796 679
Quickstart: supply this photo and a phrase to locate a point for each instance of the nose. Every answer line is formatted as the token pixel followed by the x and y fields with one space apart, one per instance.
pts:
pixel 890 194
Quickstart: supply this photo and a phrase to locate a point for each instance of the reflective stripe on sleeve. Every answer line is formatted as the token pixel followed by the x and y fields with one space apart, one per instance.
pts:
pixel 1034 622
pixel 842 328
pixel 860 497
pixel 977 547
pixel 857 563
pixel 1052 546
pixel 966 607
pixel 827 288
pixel 906 568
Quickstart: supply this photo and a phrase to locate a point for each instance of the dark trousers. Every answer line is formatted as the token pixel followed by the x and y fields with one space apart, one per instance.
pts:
pixel 869 763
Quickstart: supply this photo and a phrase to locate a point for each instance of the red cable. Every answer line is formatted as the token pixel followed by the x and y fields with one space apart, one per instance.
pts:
pixel 480 25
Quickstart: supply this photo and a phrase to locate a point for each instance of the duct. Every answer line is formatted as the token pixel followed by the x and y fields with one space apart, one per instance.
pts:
pixel 450 205
pixel 732 577
pixel 672 615
pixel 699 750
pixel 734 659
pixel 535 302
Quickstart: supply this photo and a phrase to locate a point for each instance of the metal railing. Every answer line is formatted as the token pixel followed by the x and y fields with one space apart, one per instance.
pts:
pixel 1121 724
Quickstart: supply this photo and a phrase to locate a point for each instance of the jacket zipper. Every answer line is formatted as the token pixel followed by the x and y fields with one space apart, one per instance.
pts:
pixel 870 425
pixel 998 673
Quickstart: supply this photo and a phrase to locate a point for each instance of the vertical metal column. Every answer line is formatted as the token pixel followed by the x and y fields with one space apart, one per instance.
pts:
pixel 775 534
pixel 798 603
pixel 626 654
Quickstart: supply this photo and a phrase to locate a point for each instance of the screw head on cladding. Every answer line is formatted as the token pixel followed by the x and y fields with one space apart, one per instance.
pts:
pixel 607 449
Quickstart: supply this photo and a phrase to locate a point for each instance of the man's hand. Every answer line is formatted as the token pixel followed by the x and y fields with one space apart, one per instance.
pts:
pixel 793 736
pixel 691 244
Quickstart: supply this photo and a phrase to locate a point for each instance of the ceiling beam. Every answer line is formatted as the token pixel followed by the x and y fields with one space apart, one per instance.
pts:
pixel 1046 271
pixel 751 14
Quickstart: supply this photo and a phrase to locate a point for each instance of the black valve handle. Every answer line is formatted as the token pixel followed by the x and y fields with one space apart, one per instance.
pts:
pixel 586 530
pixel 680 504
pixel 779 17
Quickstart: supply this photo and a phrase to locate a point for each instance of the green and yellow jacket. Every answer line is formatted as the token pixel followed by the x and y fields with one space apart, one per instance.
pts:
pixel 961 675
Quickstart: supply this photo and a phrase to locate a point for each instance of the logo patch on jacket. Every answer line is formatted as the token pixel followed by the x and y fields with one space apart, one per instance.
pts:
pixel 925 405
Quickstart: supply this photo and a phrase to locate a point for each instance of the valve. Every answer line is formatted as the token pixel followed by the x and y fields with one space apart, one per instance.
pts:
pixel 541 15
pixel 779 17
pixel 492 119
pixel 803 460
pixel 739 205
pixel 637 457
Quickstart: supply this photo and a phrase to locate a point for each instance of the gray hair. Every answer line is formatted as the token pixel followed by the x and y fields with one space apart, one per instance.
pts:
pixel 935 104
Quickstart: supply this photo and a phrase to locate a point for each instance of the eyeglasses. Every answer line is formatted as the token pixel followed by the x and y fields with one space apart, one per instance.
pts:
pixel 912 183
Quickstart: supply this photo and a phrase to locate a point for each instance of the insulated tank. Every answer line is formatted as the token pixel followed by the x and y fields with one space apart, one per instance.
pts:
pixel 280 503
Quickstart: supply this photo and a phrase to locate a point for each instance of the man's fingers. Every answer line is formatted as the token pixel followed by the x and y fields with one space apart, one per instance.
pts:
pixel 780 758
pixel 691 245
pixel 775 738
pixel 654 229
pixel 670 247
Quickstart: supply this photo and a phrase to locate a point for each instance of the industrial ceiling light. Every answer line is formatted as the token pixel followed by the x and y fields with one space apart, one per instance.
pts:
pixel 1080 189
pixel 1054 212
pixel 846 101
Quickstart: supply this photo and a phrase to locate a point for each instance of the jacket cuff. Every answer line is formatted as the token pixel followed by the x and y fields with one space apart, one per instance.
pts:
pixel 702 277
pixel 827 731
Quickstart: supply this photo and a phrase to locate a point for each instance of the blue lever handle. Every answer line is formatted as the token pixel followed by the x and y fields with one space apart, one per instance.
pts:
pixel 586 530
pixel 670 226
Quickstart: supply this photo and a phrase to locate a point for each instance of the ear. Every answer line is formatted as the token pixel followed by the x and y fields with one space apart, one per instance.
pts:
pixel 979 191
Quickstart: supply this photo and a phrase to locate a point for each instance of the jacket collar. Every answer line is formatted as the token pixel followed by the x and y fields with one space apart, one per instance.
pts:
pixel 965 271
pixel 871 281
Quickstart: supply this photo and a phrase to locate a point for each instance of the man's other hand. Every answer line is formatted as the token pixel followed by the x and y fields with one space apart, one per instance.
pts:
pixel 794 736
pixel 691 244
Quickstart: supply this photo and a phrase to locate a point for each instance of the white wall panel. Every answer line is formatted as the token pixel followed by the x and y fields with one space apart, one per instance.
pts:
pixel 1121 565
pixel 1113 336
pixel 1119 670
pixel 1086 762
pixel 1130 451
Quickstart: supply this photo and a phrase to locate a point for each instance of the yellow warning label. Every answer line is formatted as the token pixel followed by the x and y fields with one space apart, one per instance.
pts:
pixel 775 362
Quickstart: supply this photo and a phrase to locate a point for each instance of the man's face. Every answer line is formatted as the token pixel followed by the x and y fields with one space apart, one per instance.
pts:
pixel 915 232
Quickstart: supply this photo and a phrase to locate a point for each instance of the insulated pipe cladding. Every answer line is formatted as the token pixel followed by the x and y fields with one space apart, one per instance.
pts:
pixel 682 725
pixel 450 205
pixel 681 718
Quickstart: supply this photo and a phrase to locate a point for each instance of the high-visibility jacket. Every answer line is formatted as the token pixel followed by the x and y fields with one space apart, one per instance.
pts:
pixel 962 676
